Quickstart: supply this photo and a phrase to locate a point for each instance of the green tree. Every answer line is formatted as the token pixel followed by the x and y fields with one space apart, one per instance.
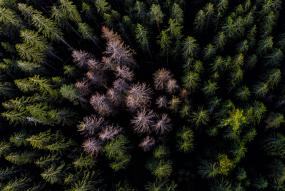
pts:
pixel 235 121
pixel 210 88
pixel 53 174
pixel 164 42
pixel 102 6
pixel 156 15
pixel 47 160
pixel 86 32
pixel 161 152
pixel 116 150
pixel 142 37
pixel 273 78
pixel 8 173
pixel 140 10
pixel 275 57
pixel 222 6
pixel 54 142
pixel 274 145
pixel 185 139
pixel 70 92
pixel 19 138
pixel 33 48
pixel 20 158
pixel 265 44
pixel 209 51
pixel 162 170
pixel 261 89
pixel 177 13
pixel 30 67
pixel 190 47
pixel 200 20
pixel 200 117
pixel 175 29
pixel 84 162
pixel 36 83
pixel 274 120
pixel 225 165
pixel 70 11
pixel 243 93
pixel 220 40
pixel 191 80
pixel 207 169
pixel 9 17
pixel 256 112
pixel 44 25
pixel 17 184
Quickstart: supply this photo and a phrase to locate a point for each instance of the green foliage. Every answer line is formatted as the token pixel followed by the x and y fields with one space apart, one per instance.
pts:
pixel 185 140
pixel 69 92
pixel 54 142
pixel 256 112
pixel 274 145
pixel 164 42
pixel 200 117
pixel 160 169
pixel 222 166
pixel 33 48
pixel 9 17
pixel 273 78
pixel 84 162
pixel 191 80
pixel 46 161
pixel 224 76
pixel 116 150
pixel 243 93
pixel 69 10
pixel 86 31
pixel 19 138
pixel 43 24
pixel 156 14
pixel 17 184
pixel 177 13
pixel 275 120
pixel 36 83
pixel 236 120
pixel 175 28
pixel 142 37
pixel 190 47
pixel 20 158
pixel 207 169
pixel 53 174
pixel 7 89
pixel 29 67
pixel 123 187
pixel 160 152
pixel 161 185
pixel 7 173
pixel 210 88
pixel 102 6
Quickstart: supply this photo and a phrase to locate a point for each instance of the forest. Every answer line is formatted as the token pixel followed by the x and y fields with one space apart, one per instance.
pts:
pixel 142 95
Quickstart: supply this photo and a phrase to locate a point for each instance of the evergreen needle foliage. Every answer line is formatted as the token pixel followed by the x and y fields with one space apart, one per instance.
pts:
pixel 133 95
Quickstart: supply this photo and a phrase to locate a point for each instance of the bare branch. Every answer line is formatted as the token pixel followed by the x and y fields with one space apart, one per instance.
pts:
pixel 147 143
pixel 109 133
pixel 163 124
pixel 161 77
pixel 138 96
pixel 101 104
pixel 91 124
pixel 92 146
pixel 143 121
